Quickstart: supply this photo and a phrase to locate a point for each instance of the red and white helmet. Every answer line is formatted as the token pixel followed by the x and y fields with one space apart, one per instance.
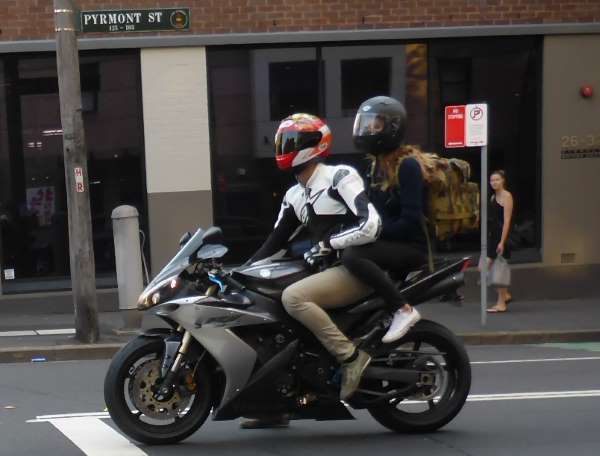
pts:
pixel 299 139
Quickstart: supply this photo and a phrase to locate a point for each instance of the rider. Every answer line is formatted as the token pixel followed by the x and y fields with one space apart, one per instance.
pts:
pixel 330 201
pixel 396 187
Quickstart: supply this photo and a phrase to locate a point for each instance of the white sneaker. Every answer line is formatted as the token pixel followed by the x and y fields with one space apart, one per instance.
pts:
pixel 401 323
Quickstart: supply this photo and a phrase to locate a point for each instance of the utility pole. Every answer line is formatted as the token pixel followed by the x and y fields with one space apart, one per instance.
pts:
pixel 83 274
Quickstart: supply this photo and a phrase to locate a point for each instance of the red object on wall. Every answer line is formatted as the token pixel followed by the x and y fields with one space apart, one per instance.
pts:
pixel 454 122
pixel 587 91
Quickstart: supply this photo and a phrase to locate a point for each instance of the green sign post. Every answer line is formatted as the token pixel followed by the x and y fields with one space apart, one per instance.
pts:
pixel 135 20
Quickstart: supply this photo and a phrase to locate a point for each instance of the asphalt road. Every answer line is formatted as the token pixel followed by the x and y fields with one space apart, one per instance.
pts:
pixel 525 400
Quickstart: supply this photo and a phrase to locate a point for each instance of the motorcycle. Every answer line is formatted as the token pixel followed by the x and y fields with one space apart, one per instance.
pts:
pixel 231 349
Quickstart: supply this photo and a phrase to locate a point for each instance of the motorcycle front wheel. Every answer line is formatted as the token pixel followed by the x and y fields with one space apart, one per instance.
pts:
pixel 132 378
pixel 433 349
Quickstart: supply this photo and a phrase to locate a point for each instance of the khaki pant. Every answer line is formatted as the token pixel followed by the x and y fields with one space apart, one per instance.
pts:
pixel 330 289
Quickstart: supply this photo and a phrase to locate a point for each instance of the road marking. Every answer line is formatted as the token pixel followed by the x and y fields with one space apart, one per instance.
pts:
pixel 538 395
pixel 38 332
pixel 45 418
pixel 17 333
pixel 543 360
pixel 471 398
pixel 522 396
pixel 54 332
pixel 95 438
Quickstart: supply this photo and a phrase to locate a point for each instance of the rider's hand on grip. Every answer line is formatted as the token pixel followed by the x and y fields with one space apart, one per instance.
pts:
pixel 317 255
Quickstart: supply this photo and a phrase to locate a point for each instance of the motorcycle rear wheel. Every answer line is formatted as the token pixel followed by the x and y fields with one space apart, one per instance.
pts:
pixel 127 390
pixel 455 368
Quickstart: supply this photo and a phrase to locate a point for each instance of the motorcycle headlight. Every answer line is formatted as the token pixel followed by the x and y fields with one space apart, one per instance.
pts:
pixel 158 293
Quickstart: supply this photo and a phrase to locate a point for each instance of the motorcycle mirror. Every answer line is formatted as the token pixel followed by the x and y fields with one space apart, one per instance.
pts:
pixel 210 251
pixel 184 239
pixel 214 235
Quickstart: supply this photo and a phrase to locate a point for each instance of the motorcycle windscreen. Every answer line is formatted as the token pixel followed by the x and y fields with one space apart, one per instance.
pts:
pixel 181 260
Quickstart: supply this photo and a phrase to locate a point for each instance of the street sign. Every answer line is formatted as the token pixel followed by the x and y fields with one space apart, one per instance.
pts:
pixel 465 126
pixel 454 126
pixel 135 20
pixel 476 125
pixel 79 187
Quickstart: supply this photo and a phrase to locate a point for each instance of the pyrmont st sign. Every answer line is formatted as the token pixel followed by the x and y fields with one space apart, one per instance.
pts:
pixel 138 20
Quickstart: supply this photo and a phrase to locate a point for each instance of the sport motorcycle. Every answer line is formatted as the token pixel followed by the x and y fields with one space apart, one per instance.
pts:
pixel 230 349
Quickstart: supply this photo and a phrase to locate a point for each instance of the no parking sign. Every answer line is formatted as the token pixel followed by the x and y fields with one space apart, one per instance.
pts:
pixel 467 126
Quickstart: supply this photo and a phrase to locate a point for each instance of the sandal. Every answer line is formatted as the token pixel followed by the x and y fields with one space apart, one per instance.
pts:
pixel 495 310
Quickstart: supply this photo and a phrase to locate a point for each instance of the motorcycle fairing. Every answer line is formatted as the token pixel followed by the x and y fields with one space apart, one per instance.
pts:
pixel 211 326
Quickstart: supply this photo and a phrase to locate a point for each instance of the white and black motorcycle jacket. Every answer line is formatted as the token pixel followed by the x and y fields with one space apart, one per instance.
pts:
pixel 333 206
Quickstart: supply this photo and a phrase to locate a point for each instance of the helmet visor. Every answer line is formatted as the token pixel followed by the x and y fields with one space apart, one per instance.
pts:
pixel 368 124
pixel 287 142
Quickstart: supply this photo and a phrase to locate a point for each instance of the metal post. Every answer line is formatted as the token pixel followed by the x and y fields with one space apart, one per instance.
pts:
pixel 1 260
pixel 128 256
pixel 1 255
pixel 83 274
pixel 484 223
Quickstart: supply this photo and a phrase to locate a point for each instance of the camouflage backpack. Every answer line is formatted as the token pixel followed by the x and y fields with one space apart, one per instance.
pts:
pixel 453 199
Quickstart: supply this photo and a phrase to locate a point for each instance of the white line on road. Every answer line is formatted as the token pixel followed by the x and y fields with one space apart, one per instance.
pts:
pixel 54 332
pixel 522 396
pixel 543 360
pixel 538 395
pixel 38 332
pixel 44 418
pixel 17 333
pixel 95 438
pixel 471 398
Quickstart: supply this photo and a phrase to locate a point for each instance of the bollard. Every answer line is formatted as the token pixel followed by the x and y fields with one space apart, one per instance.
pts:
pixel 128 258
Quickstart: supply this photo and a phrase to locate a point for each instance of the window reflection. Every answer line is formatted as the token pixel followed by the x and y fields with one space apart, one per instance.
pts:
pixel 363 79
pixel 505 72
pixel 33 209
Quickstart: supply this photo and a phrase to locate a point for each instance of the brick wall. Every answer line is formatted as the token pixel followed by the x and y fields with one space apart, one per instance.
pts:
pixel 32 19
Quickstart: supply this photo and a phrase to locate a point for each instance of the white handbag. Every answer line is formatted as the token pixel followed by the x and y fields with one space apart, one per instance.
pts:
pixel 500 273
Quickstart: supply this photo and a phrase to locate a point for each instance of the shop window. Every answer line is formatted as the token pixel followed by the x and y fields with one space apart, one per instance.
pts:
pixel 506 74
pixel 363 79
pixel 293 87
pixel 33 208
pixel 252 89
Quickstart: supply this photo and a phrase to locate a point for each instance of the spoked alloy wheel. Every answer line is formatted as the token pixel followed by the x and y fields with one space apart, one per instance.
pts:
pixel 445 380
pixel 129 387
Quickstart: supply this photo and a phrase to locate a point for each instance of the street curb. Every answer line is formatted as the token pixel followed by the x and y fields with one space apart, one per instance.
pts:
pixel 107 351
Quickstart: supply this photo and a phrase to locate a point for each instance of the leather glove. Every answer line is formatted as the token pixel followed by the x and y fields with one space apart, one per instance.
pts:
pixel 317 255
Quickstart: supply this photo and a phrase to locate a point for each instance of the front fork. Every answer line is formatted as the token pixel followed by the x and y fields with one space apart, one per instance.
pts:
pixel 174 349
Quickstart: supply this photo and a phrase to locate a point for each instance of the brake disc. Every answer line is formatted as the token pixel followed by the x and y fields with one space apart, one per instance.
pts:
pixel 141 392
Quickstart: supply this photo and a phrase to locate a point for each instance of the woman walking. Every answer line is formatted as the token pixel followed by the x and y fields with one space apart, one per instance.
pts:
pixel 499 224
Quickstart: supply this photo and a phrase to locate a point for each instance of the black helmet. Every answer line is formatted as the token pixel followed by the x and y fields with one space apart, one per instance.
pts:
pixel 379 125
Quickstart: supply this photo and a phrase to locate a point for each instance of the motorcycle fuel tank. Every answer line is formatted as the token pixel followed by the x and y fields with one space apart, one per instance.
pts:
pixel 271 277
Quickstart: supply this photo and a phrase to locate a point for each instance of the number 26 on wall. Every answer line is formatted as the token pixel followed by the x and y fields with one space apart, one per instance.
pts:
pixel 578 141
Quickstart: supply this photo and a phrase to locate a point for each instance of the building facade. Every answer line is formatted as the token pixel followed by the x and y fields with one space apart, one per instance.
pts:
pixel 180 123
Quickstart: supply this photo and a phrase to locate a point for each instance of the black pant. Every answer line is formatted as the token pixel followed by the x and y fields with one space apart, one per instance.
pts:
pixel 368 262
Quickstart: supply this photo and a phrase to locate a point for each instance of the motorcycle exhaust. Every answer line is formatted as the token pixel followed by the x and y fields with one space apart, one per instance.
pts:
pixel 446 286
